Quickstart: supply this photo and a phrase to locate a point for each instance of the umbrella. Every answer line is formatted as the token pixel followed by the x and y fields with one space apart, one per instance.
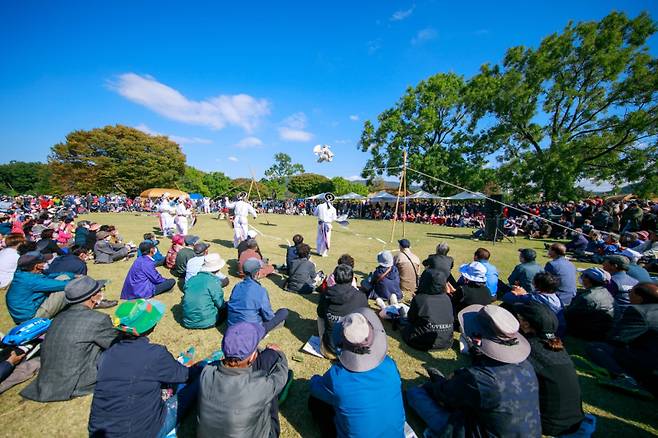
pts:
pixel 158 192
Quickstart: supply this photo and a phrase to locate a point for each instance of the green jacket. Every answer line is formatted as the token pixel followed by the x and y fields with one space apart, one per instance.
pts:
pixel 203 298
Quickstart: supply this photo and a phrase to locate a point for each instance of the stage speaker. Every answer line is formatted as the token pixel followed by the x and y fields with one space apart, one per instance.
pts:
pixel 493 218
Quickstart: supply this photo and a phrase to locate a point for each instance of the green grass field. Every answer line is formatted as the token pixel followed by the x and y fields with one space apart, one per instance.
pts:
pixel 618 414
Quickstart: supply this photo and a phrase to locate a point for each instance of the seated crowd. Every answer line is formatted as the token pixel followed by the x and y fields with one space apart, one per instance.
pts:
pixel 519 381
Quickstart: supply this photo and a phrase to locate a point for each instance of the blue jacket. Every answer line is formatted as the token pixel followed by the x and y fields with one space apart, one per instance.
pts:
pixel 639 273
pixel 128 395
pixel 367 404
pixel 141 279
pixel 578 243
pixel 387 286
pixel 492 277
pixel 249 302
pixel 28 291
pixel 524 273
pixel 566 271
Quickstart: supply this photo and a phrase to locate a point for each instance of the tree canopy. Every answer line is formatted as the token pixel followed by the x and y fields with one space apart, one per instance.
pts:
pixel 115 158
pixel 309 184
pixel 283 167
pixel 18 177
pixel 581 105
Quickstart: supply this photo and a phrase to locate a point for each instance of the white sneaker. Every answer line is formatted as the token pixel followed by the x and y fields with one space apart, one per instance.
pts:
pixel 393 300
pixel 380 303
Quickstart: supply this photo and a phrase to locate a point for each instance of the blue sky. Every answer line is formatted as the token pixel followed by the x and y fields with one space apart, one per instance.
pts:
pixel 235 84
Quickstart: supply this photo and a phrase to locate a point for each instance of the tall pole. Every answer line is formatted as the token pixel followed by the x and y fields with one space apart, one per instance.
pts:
pixel 397 200
pixel 404 189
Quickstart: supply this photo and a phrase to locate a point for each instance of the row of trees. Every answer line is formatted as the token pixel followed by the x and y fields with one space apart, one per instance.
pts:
pixel 120 159
pixel 581 105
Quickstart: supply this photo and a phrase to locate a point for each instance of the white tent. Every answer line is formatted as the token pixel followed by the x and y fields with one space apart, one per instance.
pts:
pixel 467 196
pixel 318 196
pixel 424 195
pixel 351 197
pixel 382 197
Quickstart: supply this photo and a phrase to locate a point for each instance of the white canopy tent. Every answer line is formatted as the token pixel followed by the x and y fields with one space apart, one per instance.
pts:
pixel 382 197
pixel 318 196
pixel 424 195
pixel 467 196
pixel 351 197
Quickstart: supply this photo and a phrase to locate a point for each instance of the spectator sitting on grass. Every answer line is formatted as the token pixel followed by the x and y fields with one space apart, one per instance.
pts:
pixel 250 302
pixel 302 271
pixel 239 395
pixel 158 258
pixel 143 280
pixel 203 300
pixel 591 312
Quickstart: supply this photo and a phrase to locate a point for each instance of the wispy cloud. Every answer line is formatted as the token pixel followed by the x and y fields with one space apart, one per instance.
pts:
pixel 373 46
pixel 234 159
pixel 342 141
pixel 249 142
pixel 354 178
pixel 175 138
pixel 354 117
pixel 424 35
pixel 293 128
pixel 402 14
pixel 215 112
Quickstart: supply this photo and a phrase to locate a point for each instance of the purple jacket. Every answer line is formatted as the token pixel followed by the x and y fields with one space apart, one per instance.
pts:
pixel 141 279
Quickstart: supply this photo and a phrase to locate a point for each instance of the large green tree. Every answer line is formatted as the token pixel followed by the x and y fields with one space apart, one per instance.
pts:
pixel 433 124
pixel 309 184
pixel 342 186
pixel 283 167
pixel 581 105
pixel 193 181
pixel 217 183
pixel 18 177
pixel 104 159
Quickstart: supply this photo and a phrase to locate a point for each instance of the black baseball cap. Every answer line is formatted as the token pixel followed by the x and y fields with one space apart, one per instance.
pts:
pixel 540 317
pixel 404 243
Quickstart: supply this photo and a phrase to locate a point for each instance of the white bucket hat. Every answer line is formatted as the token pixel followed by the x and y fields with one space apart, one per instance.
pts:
pixel 474 271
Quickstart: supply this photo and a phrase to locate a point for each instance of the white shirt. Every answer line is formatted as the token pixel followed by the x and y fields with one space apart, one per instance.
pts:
pixel 242 209
pixel 165 207
pixel 325 212
pixel 8 264
pixel 181 210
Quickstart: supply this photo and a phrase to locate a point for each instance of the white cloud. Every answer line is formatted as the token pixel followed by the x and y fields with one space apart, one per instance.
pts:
pixel 402 14
pixel 175 138
pixel 354 117
pixel 215 112
pixel 234 159
pixel 424 35
pixel 342 141
pixel 249 142
pixel 594 186
pixel 293 129
pixel 294 134
pixel 354 178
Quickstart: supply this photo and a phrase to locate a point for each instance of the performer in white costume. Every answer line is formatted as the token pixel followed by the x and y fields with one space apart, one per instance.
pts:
pixel 326 214
pixel 166 218
pixel 241 210
pixel 181 221
pixel 206 205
